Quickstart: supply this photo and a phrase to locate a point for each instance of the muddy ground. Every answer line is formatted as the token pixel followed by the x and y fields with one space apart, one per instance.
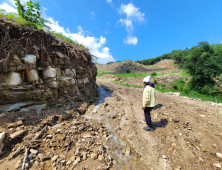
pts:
pixel 110 134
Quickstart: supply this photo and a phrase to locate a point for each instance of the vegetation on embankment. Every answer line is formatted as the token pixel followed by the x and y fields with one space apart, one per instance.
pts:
pixel 29 15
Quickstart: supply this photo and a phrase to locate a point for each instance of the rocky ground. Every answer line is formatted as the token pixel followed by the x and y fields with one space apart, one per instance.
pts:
pixel 110 134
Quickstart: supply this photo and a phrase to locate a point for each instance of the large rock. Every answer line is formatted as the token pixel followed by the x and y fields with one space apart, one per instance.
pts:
pixel 2 137
pixel 54 84
pixel 32 75
pixel 17 134
pixel 49 73
pixel 14 79
pixel 60 54
pixel 30 59
pixel 69 73
pixel 15 61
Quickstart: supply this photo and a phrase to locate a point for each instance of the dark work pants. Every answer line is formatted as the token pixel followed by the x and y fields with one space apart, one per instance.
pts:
pixel 147 111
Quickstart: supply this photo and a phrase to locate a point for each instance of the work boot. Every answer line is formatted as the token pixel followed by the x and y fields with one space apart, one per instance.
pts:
pixel 148 128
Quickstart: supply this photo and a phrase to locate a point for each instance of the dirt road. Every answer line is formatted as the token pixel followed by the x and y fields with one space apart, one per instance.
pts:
pixel 187 132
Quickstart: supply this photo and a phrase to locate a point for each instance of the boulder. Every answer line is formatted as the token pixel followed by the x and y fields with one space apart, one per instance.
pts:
pixel 15 61
pixel 66 81
pixel 86 80
pixel 69 73
pixel 41 156
pixel 94 156
pixel 17 134
pixel 176 94
pixel 32 75
pixel 30 59
pixel 56 43
pixel 14 79
pixel 54 84
pixel 49 73
pixel 219 155
pixel 60 54
pixel 18 123
pixel 2 137
pixel 128 150
pixel 73 81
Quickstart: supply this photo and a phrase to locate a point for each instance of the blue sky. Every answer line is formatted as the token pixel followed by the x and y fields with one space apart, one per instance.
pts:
pixel 135 30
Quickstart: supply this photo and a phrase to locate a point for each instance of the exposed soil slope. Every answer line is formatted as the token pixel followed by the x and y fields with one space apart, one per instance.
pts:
pixel 121 67
pixel 37 66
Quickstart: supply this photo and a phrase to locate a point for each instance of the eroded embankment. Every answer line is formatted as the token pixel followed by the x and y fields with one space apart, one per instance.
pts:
pixel 37 67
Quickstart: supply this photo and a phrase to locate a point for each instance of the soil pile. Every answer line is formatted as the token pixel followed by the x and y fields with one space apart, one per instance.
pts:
pixel 166 66
pixel 128 65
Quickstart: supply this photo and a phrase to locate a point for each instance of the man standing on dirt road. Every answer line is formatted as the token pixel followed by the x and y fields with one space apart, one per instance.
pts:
pixel 149 99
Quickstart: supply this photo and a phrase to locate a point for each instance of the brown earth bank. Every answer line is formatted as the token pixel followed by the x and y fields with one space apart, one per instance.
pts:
pixel 37 67
pixel 110 134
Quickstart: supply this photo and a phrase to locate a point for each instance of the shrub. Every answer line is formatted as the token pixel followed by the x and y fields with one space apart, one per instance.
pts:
pixel 153 74
pixel 30 11
pixel 163 85
pixel 155 81
pixel 127 71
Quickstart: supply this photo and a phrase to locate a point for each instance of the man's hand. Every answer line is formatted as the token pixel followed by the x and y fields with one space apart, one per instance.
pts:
pixel 143 107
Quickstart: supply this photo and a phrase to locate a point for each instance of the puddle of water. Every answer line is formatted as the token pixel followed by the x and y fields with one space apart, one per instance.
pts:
pixel 23 106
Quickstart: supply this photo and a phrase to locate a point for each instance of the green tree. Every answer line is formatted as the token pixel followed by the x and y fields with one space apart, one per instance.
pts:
pixel 202 66
pixel 30 11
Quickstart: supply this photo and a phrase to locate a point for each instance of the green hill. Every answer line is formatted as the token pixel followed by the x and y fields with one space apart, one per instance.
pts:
pixel 180 55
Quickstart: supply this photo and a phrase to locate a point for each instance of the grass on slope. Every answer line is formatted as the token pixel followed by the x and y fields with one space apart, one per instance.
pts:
pixel 22 22
pixel 191 94
pixel 188 93
pixel 14 17
pixel 100 73
pixel 67 39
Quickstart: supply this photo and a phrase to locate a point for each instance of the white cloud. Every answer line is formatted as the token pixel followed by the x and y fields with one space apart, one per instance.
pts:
pixel 110 2
pixel 12 2
pixel 128 23
pixel 133 14
pixel 131 40
pixel 7 8
pixel 92 15
pixel 96 45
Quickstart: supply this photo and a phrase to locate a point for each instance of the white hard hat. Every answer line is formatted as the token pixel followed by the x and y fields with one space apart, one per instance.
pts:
pixel 147 79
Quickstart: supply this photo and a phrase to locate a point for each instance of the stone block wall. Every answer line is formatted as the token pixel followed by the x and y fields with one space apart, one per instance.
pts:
pixel 57 75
